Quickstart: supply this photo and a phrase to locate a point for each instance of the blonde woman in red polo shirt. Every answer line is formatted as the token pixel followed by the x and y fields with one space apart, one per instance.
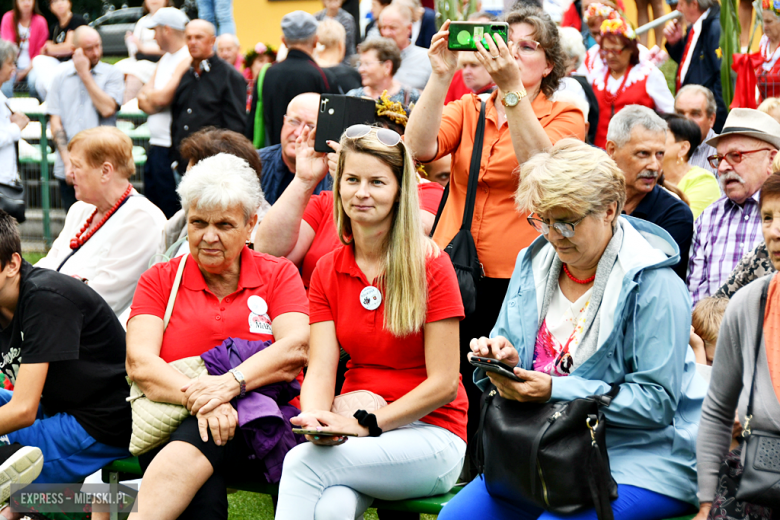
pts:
pixel 390 298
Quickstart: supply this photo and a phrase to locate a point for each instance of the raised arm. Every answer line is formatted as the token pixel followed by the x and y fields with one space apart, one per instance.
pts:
pixel 152 100
pixel 279 232
pixel 428 110
pixel 103 102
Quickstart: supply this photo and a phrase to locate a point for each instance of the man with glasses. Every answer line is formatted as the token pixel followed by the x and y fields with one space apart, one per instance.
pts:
pixel 636 140
pixel 279 160
pixel 731 227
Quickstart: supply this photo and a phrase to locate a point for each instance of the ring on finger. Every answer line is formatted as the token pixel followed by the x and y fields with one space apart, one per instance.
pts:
pixel 494 57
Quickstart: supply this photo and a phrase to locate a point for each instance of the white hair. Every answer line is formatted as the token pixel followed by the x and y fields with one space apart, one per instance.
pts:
pixel 221 181
pixel 232 37
pixel 571 44
pixel 622 123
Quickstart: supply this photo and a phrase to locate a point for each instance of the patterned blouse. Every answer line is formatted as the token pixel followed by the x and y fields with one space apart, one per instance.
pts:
pixel 752 266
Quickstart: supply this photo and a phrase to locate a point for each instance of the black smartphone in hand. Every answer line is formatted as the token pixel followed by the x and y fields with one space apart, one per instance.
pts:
pixel 495 366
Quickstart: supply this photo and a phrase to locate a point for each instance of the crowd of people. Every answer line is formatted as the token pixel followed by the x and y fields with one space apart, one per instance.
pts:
pixel 611 225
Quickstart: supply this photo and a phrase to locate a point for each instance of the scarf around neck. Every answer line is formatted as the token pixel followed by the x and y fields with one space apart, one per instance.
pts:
pixel 589 340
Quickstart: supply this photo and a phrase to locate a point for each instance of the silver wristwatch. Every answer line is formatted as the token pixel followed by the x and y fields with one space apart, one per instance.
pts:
pixel 240 380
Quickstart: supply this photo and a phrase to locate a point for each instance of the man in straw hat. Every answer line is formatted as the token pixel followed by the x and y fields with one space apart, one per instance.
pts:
pixel 731 227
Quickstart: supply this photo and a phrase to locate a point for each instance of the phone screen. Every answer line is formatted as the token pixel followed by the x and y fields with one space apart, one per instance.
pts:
pixel 465 35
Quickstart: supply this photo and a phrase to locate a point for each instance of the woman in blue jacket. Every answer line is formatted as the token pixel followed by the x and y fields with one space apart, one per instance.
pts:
pixel 594 302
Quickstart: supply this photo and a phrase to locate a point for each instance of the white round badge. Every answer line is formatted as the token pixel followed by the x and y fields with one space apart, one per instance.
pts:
pixel 370 298
pixel 257 305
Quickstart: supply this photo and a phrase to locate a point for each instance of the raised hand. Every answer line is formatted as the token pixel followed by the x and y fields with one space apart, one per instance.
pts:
pixel 500 63
pixel 310 166
pixel 673 32
pixel 444 62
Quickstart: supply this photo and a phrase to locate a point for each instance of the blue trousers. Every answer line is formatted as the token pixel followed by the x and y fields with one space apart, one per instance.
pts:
pixel 69 452
pixel 633 503
pixel 218 12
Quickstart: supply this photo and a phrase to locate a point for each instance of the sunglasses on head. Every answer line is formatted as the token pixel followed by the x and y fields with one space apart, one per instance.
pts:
pixel 385 136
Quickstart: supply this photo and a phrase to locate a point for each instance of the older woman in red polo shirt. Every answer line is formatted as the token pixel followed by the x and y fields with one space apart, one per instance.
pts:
pixel 227 290
pixel 390 298
pixel 520 121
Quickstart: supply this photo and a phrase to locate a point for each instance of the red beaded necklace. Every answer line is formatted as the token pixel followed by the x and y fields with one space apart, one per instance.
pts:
pixel 79 240
pixel 577 280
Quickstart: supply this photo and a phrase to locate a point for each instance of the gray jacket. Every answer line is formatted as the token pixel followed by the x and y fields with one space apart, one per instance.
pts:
pixel 732 372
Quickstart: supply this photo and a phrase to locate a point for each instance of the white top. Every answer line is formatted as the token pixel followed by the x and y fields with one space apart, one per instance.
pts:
pixel 572 86
pixel 23 61
pixel 415 67
pixel 144 34
pixel 696 33
pixel 769 58
pixel 114 258
pixel 160 124
pixel 9 134
pixel 657 87
pixel 565 319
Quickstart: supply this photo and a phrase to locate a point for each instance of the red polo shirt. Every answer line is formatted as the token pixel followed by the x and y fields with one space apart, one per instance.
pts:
pixel 381 362
pixel 200 321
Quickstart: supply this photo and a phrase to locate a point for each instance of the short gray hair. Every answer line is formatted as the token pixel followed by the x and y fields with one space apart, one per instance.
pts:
pixel 703 4
pixel 7 50
pixel 221 181
pixel 571 43
pixel 712 106
pixel 621 125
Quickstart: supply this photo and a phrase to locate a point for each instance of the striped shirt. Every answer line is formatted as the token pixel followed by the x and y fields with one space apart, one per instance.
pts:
pixel 722 235
pixel 700 154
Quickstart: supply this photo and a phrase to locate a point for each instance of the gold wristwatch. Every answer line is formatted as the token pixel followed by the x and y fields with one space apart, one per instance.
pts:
pixel 511 99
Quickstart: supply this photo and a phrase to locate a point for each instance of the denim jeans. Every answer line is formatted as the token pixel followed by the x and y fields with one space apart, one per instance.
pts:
pixel 340 482
pixel 218 12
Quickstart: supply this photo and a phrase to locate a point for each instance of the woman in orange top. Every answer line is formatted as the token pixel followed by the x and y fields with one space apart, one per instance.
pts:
pixel 520 121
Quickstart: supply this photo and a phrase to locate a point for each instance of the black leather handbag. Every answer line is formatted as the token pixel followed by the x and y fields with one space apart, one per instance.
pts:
pixel 12 200
pixel 760 481
pixel 553 455
pixel 461 249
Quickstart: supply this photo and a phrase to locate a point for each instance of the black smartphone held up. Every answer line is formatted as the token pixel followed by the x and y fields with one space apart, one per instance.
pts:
pixel 303 431
pixel 337 113
pixel 465 35
pixel 496 366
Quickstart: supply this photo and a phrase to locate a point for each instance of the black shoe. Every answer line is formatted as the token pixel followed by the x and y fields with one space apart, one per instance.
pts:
pixel 18 465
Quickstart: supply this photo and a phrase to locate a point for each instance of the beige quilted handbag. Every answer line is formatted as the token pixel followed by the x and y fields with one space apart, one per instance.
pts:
pixel 347 404
pixel 154 422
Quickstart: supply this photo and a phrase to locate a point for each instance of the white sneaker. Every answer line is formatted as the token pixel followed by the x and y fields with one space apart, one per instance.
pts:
pixel 21 465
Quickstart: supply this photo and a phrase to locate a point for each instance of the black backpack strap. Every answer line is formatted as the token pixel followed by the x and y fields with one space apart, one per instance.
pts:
pixel 759 336
pixel 442 203
pixel 476 160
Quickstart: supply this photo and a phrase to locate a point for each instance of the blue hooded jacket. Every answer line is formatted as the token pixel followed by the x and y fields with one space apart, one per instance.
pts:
pixel 645 321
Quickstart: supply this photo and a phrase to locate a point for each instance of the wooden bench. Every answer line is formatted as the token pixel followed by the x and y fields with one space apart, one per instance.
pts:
pixel 129 468
pixel 126 469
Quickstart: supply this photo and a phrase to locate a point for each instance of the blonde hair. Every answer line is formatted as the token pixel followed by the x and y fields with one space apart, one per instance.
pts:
pixel 769 104
pixel 776 163
pixel 707 316
pixel 331 33
pixel 403 277
pixel 572 175
pixel 106 144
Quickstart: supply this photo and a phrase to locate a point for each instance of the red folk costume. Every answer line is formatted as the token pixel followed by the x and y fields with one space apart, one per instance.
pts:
pixel 768 74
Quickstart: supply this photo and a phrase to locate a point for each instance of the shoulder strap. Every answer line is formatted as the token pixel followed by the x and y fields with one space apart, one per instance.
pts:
pixel 442 203
pixel 759 336
pixel 174 290
pixel 476 159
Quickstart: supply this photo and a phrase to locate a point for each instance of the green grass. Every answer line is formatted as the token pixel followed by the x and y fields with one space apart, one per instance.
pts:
pixel 33 256
pixel 252 506
pixel 670 72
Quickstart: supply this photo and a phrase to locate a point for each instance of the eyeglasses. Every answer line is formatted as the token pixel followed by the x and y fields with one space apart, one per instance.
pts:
pixel 566 229
pixel 611 52
pixel 295 123
pixel 366 63
pixel 385 136
pixel 732 157
pixel 526 46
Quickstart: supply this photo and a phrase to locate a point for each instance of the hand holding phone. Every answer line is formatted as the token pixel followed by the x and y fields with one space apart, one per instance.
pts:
pixel 465 35
pixel 495 366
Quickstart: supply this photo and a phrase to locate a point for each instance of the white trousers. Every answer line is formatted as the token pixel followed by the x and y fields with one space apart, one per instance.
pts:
pixel 340 482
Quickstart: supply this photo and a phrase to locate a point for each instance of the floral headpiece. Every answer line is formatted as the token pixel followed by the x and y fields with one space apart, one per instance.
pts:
pixel 259 50
pixel 596 9
pixel 392 110
pixel 771 5
pixel 615 24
